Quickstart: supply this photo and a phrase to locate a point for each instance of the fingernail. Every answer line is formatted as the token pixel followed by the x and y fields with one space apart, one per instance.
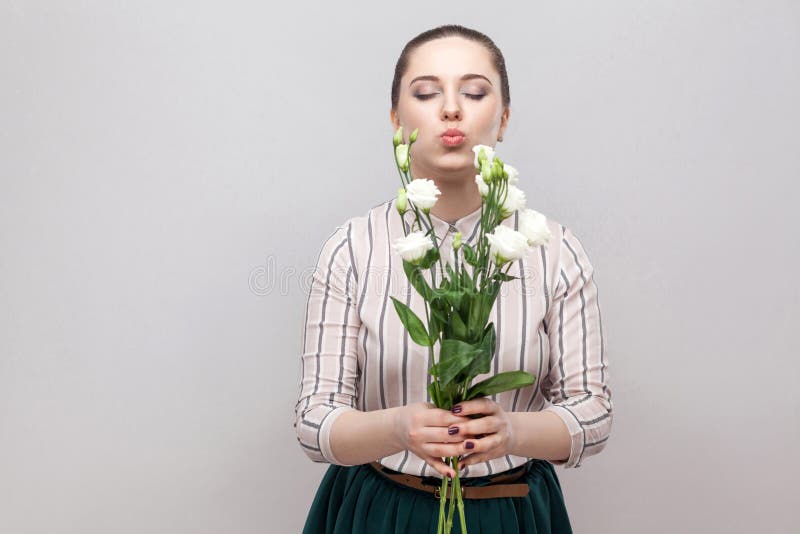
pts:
pixel 456 409
pixel 452 430
pixel 470 445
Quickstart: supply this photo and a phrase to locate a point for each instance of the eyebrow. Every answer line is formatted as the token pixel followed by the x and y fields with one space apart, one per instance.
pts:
pixel 436 79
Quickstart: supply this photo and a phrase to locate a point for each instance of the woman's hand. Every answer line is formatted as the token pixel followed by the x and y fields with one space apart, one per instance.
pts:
pixel 422 428
pixel 493 433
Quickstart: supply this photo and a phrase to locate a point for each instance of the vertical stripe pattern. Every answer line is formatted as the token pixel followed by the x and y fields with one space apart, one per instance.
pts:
pixel 356 354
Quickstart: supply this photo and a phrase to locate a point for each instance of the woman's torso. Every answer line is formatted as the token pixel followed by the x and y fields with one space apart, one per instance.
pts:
pixel 393 369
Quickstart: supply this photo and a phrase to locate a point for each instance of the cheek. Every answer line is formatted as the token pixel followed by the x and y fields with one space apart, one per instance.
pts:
pixel 488 118
pixel 416 117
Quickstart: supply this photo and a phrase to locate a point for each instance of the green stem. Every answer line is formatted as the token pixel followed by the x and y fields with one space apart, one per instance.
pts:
pixel 435 244
pixel 452 509
pixel 460 502
pixel 442 499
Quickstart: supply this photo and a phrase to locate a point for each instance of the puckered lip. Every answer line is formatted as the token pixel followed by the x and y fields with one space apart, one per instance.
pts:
pixel 453 132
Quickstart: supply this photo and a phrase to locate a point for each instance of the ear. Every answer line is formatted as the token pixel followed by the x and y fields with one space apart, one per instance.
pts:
pixel 504 121
pixel 394 119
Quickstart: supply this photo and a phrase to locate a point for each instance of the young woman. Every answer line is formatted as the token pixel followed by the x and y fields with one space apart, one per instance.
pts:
pixel 364 406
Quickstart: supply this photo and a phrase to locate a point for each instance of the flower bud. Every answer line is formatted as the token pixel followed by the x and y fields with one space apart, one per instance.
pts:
pixel 402 202
pixel 413 136
pixel 483 189
pixel 497 169
pixel 482 153
pixel 401 154
pixel 486 172
pixel 398 136
pixel 457 241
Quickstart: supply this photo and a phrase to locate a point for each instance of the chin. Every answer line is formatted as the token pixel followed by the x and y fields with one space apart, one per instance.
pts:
pixel 455 162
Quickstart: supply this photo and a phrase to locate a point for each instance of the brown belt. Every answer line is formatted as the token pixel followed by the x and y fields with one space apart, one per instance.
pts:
pixel 467 492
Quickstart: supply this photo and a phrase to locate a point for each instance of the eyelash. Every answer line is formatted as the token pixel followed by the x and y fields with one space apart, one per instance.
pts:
pixel 426 97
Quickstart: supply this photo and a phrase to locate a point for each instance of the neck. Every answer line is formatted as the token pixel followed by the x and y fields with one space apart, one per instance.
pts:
pixel 456 201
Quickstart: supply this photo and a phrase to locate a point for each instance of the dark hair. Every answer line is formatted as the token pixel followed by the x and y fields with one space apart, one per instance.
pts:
pixel 450 30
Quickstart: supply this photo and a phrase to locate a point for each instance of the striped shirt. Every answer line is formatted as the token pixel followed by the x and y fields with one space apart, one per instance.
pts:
pixel 357 354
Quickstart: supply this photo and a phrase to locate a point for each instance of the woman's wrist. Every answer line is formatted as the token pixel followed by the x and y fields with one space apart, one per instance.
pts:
pixel 539 435
pixel 361 437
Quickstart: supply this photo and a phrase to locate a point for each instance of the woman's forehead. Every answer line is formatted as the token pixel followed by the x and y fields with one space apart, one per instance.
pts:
pixel 449 58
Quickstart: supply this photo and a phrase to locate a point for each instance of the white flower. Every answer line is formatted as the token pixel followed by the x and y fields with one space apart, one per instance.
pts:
pixel 533 225
pixel 401 153
pixel 422 192
pixel 515 200
pixel 413 247
pixel 513 174
pixel 488 152
pixel 483 189
pixel 506 244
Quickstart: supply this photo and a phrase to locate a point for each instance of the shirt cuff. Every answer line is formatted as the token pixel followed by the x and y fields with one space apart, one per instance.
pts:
pixel 575 433
pixel 325 433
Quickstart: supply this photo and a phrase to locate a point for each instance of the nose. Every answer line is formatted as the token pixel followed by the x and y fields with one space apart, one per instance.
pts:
pixel 451 115
pixel 450 108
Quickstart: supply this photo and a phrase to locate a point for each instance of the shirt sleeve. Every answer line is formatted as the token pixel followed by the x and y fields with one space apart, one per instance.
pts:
pixel 577 383
pixel 329 356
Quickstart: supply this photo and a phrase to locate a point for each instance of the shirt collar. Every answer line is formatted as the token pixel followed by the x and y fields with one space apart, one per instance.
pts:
pixel 468 225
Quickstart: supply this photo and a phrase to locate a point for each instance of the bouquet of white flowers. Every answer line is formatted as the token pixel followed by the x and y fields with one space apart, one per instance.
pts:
pixel 458 309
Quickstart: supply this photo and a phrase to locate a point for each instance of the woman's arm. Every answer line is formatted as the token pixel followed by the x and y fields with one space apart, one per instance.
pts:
pixel 362 437
pixel 577 383
pixel 329 381
pixel 539 435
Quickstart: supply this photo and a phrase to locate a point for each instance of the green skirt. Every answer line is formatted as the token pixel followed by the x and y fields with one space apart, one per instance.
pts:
pixel 358 500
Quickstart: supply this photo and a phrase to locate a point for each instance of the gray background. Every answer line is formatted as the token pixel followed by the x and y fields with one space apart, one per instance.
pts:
pixel 169 171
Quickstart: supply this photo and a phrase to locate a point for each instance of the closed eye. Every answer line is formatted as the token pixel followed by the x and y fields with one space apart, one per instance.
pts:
pixel 431 95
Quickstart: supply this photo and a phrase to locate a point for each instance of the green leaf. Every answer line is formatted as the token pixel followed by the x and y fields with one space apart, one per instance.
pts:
pixel 499 383
pixel 457 327
pixel 505 277
pixel 475 321
pixel 436 327
pixel 469 255
pixel 417 280
pixel 466 280
pixel 432 390
pixel 438 312
pixel 466 302
pixel 454 356
pixel 483 361
pixel 453 298
pixel 430 258
pixel 450 271
pixel 412 323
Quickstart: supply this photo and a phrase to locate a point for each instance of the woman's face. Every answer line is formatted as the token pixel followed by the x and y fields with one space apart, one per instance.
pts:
pixel 450 83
